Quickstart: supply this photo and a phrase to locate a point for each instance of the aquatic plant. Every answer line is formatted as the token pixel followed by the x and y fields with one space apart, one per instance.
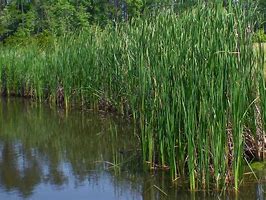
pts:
pixel 189 81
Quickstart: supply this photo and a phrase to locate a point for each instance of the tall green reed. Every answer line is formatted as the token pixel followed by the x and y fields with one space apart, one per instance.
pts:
pixel 186 79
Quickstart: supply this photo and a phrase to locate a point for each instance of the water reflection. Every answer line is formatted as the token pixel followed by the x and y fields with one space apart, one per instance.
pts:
pixel 46 154
pixel 39 146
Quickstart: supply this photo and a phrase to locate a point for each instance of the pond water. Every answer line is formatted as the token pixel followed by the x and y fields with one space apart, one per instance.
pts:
pixel 46 153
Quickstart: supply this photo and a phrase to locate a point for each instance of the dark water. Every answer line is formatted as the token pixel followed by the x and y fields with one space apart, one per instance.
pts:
pixel 48 154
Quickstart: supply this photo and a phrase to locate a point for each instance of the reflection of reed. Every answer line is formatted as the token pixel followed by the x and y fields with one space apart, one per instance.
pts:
pixel 42 146
pixel 260 192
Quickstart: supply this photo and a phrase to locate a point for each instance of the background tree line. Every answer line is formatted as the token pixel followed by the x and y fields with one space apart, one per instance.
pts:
pixel 20 19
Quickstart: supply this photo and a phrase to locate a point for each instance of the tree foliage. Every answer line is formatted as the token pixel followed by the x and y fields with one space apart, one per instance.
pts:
pixel 21 19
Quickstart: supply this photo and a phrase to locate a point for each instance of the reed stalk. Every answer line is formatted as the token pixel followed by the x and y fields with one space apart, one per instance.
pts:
pixel 187 80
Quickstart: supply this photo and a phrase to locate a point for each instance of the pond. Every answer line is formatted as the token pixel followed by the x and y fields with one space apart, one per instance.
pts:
pixel 46 153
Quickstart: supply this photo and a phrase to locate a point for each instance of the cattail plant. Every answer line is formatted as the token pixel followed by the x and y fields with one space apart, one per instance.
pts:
pixel 188 81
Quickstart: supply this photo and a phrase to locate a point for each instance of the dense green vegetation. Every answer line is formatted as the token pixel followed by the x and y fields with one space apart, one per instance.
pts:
pixel 190 81
pixel 260 34
pixel 26 20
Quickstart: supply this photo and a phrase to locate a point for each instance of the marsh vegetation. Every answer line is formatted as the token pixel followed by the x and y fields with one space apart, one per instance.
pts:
pixel 190 82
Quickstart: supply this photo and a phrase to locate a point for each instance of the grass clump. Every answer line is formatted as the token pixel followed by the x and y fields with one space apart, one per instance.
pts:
pixel 260 36
pixel 189 81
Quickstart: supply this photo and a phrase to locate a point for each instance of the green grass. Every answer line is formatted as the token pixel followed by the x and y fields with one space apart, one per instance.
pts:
pixel 188 81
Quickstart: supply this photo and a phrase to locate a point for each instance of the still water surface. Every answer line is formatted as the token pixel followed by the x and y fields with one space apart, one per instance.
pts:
pixel 48 154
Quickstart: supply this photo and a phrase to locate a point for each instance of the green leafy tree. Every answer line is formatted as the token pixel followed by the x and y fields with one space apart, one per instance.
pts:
pixel 64 17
